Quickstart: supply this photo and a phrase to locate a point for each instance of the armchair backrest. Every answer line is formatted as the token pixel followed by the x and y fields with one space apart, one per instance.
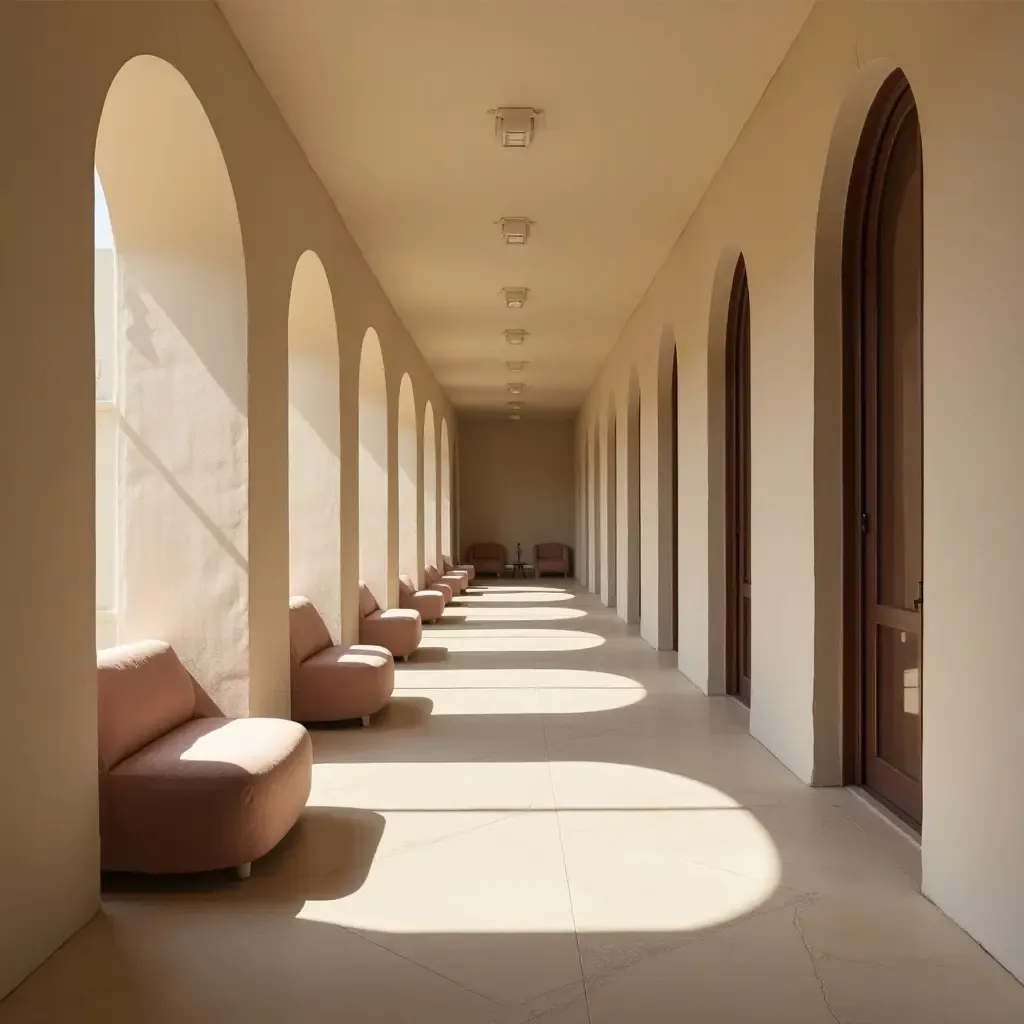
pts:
pixel 486 550
pixel 551 551
pixel 144 692
pixel 308 632
pixel 406 587
pixel 367 602
pixel 431 574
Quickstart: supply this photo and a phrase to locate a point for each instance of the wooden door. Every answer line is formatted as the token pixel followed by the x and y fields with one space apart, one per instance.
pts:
pixel 889 457
pixel 738 662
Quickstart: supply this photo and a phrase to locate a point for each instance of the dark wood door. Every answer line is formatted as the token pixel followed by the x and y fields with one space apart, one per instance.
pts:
pixel 738 488
pixel 890 463
pixel 675 500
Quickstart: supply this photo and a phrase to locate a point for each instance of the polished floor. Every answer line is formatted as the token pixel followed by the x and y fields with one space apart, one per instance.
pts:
pixel 549 823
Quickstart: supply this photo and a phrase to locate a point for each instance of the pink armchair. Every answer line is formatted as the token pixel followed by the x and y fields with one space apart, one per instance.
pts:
pixel 181 787
pixel 332 683
pixel 552 558
pixel 456 582
pixel 487 558
pixel 398 629
pixel 429 603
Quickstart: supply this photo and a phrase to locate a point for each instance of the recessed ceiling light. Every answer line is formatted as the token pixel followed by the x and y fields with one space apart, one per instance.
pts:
pixel 515 388
pixel 515 298
pixel 515 335
pixel 515 230
pixel 515 366
pixel 515 405
pixel 515 416
pixel 514 126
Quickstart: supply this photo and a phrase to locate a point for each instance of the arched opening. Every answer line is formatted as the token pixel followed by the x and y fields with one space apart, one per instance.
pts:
pixel 611 501
pixel 314 442
pixel 373 470
pixel 668 494
pixel 737 482
pixel 631 609
pixel 430 518
pixel 409 561
pixel 446 495
pixel 172 459
pixel 883 257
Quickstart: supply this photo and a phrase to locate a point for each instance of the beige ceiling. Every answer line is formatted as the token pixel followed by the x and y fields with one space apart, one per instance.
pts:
pixel 642 101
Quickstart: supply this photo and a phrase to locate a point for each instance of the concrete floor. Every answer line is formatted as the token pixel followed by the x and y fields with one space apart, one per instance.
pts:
pixel 548 823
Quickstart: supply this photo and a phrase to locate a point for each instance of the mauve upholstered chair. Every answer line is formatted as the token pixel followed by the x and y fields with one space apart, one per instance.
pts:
pixel 182 788
pixel 332 683
pixel 487 558
pixel 456 582
pixel 552 558
pixel 468 569
pixel 398 629
pixel 429 603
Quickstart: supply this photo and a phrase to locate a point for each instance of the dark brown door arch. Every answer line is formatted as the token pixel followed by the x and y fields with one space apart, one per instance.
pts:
pixel 882 312
pixel 737 363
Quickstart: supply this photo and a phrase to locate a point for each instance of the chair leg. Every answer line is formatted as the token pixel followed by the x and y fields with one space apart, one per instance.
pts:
pixel 244 870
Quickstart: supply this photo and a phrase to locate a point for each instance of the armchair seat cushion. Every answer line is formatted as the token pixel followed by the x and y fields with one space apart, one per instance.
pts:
pixel 398 629
pixel 341 683
pixel 429 603
pixel 211 793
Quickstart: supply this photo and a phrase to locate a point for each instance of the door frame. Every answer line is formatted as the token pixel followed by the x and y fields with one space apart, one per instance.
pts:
pixel 858 273
pixel 738 321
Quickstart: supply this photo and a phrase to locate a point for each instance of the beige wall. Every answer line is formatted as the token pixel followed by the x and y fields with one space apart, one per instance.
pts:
pixel 516 483
pixel 778 198
pixel 59 61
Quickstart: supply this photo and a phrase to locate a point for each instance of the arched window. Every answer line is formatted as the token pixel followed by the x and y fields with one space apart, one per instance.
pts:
pixel 430 519
pixel 447 549
pixel 178 377
pixel 314 442
pixel 409 561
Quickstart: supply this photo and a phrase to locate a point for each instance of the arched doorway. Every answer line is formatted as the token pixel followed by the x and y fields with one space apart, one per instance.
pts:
pixel 373 470
pixel 667 491
pixel 430 519
pixel 314 442
pixel 737 481
pixel 883 401
pixel 409 561
pixel 176 377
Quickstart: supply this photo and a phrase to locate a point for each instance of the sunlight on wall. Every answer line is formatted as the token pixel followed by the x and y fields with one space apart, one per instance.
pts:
pixel 314 442
pixel 373 469
pixel 409 561
pixel 430 521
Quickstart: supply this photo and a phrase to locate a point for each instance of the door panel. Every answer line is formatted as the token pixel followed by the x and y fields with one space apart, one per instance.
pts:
pixel 738 632
pixel 891 466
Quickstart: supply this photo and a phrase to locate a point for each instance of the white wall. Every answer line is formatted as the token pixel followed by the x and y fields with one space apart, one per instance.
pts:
pixel 59 60
pixel 963 63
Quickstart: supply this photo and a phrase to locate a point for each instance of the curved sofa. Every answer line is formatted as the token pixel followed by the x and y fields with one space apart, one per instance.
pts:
pixel 182 788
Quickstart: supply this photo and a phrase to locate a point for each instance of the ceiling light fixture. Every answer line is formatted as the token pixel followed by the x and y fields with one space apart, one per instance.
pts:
pixel 515 335
pixel 515 406
pixel 514 388
pixel 515 416
pixel 515 230
pixel 515 298
pixel 514 126
pixel 514 366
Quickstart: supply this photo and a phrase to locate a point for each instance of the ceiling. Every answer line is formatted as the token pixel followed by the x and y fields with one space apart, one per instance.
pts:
pixel 641 100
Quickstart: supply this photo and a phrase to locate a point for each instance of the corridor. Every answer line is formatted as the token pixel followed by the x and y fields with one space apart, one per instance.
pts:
pixel 548 823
